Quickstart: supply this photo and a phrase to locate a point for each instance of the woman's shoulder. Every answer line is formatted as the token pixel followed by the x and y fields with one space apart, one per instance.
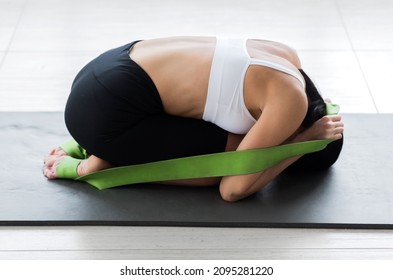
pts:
pixel 257 47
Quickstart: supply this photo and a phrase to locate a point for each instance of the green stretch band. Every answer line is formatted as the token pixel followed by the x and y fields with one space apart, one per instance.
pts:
pixel 211 165
pixel 332 109
pixel 73 149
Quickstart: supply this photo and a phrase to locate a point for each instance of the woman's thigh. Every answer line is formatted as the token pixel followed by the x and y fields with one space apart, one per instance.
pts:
pixel 161 137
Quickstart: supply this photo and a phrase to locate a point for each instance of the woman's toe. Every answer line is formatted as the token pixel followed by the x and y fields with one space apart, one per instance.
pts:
pixel 49 173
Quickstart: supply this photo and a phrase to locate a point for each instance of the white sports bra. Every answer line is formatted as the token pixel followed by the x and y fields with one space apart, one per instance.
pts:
pixel 225 102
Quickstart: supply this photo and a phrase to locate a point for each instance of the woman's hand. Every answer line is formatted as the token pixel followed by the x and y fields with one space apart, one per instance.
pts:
pixel 326 128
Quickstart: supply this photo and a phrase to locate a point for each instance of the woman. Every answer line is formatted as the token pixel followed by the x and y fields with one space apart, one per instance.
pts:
pixel 172 97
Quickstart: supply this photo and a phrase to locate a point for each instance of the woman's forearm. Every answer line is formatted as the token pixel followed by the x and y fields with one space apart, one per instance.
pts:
pixel 233 188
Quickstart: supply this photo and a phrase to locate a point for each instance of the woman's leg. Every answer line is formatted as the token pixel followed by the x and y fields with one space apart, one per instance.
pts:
pixel 161 137
pixel 158 137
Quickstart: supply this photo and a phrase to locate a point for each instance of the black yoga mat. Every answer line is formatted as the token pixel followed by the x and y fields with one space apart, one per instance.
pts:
pixel 357 192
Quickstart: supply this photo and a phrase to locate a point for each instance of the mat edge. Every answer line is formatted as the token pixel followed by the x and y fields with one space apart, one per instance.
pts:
pixel 195 224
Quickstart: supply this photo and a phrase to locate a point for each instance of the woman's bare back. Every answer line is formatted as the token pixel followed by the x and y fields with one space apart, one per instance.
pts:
pixel 180 68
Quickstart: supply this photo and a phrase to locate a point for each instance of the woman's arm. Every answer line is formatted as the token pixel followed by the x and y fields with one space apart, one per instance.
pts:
pixel 328 127
pixel 280 119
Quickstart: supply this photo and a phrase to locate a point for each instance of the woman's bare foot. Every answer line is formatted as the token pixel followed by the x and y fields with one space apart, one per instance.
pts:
pixel 86 166
pixel 57 151
pixel 92 164
pixel 50 164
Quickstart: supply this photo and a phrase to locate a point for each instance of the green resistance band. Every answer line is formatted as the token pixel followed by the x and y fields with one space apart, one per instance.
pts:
pixel 211 165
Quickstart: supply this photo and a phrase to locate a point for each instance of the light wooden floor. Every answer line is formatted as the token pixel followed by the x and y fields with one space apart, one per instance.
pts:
pixel 192 243
pixel 345 45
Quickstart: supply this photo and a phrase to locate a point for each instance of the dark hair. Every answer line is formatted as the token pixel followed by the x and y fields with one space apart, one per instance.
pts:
pixel 316 105
pixel 316 109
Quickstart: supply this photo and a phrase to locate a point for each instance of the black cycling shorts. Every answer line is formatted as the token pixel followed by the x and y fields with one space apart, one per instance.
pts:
pixel 115 112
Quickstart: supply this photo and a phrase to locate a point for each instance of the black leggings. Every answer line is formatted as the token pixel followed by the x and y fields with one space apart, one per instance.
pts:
pixel 115 112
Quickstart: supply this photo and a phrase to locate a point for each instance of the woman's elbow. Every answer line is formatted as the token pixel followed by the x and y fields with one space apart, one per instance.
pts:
pixel 228 196
pixel 232 192
pixel 235 188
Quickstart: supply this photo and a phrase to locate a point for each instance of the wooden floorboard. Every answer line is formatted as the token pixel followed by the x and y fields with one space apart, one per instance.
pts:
pixel 192 243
